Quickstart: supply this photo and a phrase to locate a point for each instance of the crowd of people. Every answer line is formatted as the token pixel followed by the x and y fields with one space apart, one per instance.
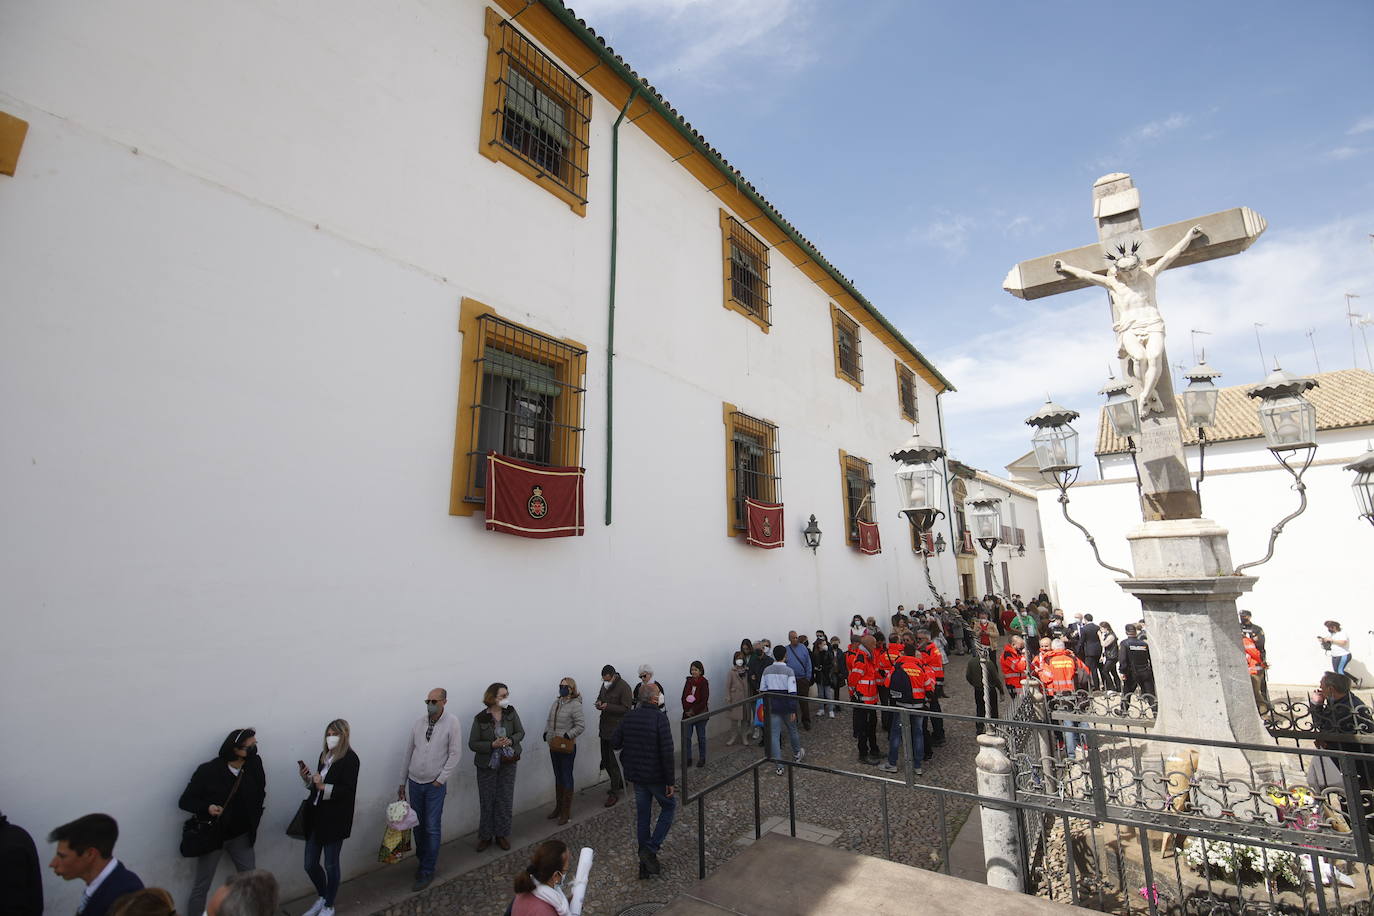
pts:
pixel 890 677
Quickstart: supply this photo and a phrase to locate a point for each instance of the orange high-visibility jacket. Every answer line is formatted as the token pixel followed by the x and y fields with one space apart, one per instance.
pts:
pixel 1253 660
pixel 1057 669
pixel 932 659
pixel 863 675
pixel 1013 664
pixel 914 677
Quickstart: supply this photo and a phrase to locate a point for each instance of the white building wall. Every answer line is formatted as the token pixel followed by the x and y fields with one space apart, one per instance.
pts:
pixel 1319 570
pixel 234 254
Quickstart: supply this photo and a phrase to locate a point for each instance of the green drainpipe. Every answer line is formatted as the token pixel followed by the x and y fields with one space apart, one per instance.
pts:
pixel 610 310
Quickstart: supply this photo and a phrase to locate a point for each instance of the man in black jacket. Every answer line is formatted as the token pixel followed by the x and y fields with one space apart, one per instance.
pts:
pixel 1089 641
pixel 85 850
pixel 645 741
pixel 613 701
pixel 1135 664
pixel 21 882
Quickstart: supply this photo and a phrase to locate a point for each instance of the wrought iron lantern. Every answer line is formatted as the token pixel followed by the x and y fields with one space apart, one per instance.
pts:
pixel 919 484
pixel 1363 485
pixel 1020 550
pixel 1200 397
pixel 1288 419
pixel 1122 409
pixel 811 534
pixel 985 514
pixel 1055 442
pixel 940 544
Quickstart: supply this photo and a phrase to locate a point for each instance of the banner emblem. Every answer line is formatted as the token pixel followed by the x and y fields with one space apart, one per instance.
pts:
pixel 537 506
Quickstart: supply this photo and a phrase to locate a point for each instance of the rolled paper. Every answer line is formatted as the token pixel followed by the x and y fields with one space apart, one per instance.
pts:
pixel 584 868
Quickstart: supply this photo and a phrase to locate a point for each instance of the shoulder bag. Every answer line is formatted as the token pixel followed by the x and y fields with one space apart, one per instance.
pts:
pixel 201 835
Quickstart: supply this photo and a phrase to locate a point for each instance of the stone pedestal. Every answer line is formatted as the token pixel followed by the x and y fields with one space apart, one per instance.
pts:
pixel 1185 581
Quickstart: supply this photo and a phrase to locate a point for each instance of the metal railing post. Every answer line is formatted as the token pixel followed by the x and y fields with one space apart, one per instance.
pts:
pixel 1001 838
pixel 791 801
pixel 701 838
pixel 758 812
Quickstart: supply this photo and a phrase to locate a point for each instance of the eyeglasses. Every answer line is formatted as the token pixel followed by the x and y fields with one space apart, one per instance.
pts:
pixel 644 677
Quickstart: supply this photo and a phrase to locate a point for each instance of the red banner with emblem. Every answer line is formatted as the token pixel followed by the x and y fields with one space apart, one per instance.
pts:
pixel 531 501
pixel 868 538
pixel 765 523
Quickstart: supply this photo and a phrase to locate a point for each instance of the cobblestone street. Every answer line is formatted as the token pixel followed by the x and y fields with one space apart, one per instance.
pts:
pixel 841 804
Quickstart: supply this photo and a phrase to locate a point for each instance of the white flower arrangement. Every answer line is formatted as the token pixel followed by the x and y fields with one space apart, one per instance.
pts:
pixel 1235 859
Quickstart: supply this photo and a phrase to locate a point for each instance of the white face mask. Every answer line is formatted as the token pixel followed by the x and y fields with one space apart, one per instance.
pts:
pixel 331 741
pixel 503 702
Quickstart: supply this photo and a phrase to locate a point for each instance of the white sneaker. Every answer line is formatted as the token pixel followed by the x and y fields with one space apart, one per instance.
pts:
pixel 832 713
pixel 315 908
pixel 919 772
pixel 327 911
pixel 801 752
pixel 887 767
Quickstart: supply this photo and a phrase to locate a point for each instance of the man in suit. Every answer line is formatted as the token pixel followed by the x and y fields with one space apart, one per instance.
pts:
pixel 85 850
pixel 21 879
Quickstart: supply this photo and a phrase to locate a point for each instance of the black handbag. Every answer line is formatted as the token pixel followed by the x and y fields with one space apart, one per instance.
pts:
pixel 202 835
pixel 296 829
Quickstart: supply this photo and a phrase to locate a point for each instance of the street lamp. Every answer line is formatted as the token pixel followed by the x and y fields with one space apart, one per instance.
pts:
pixel 985 514
pixel 1363 485
pixel 919 486
pixel 1289 422
pixel 940 543
pixel 1056 454
pixel 1122 409
pixel 811 534
pixel 1200 410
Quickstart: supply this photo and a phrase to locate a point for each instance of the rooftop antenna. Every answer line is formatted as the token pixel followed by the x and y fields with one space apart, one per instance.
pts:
pixel 1195 332
pixel 1312 338
pixel 1350 318
pixel 1260 345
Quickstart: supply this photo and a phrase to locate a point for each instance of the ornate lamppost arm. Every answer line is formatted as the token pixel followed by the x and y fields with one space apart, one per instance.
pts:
pixel 1302 507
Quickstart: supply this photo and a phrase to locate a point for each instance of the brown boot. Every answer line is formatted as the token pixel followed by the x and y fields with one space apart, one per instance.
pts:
pixel 557 802
pixel 565 811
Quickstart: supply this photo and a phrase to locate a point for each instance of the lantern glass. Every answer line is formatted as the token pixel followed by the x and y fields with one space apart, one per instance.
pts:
pixel 1288 422
pixel 812 534
pixel 987 520
pixel 1200 403
pixel 918 486
pixel 1364 493
pixel 1056 448
pixel 1124 414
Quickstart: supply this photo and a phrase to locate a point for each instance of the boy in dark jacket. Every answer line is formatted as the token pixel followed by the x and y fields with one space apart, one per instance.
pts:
pixel 645 741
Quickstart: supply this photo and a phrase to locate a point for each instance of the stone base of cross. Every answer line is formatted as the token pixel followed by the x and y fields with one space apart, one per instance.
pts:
pixel 1184 577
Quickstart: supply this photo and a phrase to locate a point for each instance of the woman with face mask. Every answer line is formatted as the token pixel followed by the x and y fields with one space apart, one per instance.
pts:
pixel 228 791
pixel 736 689
pixel 696 700
pixel 823 664
pixel 541 886
pixel 495 742
pixel 329 813
pixel 565 723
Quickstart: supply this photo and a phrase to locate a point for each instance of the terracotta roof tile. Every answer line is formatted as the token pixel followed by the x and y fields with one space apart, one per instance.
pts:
pixel 1343 399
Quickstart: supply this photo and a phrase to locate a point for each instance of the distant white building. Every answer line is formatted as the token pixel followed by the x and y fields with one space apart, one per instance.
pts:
pixel 1017 565
pixel 1321 564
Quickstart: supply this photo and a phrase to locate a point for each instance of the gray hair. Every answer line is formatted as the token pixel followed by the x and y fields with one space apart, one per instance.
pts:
pixel 251 893
pixel 1056 644
pixel 646 669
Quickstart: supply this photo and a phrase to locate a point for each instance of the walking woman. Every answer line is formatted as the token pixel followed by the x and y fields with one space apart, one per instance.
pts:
pixel 1111 654
pixel 565 724
pixel 329 813
pixel 1337 645
pixel 495 740
pixel 230 789
pixel 823 666
pixel 736 689
pixel 696 696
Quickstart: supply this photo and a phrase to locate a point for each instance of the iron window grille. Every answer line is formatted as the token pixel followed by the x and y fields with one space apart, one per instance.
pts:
pixel 542 114
pixel 848 357
pixel 858 493
pixel 529 402
pixel 906 392
pixel 747 282
pixel 754 464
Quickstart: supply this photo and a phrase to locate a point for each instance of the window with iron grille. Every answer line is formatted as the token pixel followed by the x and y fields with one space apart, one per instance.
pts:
pixel 528 400
pixel 753 468
pixel 535 114
pixel 848 358
pixel 746 271
pixel 906 392
pixel 858 494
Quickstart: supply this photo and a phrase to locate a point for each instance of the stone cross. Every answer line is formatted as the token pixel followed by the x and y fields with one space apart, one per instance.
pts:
pixel 1166 489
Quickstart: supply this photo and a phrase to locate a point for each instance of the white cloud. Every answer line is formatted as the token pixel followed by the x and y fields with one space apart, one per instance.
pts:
pixel 1341 153
pixel 1362 126
pixel 1289 282
pixel 1158 128
pixel 951 232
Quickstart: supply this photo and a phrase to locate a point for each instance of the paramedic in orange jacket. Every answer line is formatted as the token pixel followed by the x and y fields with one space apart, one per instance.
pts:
pixel 928 654
pixel 863 688
pixel 1058 669
pixel 1013 663
pixel 1254 661
pixel 909 684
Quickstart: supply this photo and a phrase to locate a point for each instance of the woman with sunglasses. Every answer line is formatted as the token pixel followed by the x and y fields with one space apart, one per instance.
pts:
pixel 646 676
pixel 229 791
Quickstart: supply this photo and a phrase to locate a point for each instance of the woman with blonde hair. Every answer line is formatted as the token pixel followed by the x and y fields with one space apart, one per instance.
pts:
pixel 329 813
pixel 495 742
pixel 565 723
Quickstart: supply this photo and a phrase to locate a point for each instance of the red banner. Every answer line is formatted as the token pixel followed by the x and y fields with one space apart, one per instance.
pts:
pixel 531 501
pixel 868 538
pixel 765 523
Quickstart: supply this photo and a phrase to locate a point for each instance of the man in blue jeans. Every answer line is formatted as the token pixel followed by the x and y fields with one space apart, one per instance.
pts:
pixel 779 688
pixel 426 765
pixel 908 685
pixel 645 741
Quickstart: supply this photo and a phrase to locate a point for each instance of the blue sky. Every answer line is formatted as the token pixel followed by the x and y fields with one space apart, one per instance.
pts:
pixel 925 148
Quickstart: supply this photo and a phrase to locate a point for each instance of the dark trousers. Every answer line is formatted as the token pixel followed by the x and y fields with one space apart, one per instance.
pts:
pixel 1094 665
pixel 937 724
pixel 563 768
pixel 326 879
pixel 645 796
pixel 866 731
pixel 803 689
pixel 885 717
pixel 1111 680
pixel 612 767
pixel 697 728
pixel 980 710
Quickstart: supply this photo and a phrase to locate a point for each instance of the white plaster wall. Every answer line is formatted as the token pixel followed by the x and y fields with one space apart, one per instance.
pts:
pixel 1319 571
pixel 1249 453
pixel 228 371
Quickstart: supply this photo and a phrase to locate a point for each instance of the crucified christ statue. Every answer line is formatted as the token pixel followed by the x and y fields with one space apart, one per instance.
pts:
pixel 1135 315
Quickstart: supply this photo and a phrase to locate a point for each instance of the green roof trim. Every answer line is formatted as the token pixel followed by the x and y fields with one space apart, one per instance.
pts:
pixel 659 104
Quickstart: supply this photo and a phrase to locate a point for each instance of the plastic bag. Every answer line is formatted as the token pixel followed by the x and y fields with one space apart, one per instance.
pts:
pixel 395 846
pixel 400 816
